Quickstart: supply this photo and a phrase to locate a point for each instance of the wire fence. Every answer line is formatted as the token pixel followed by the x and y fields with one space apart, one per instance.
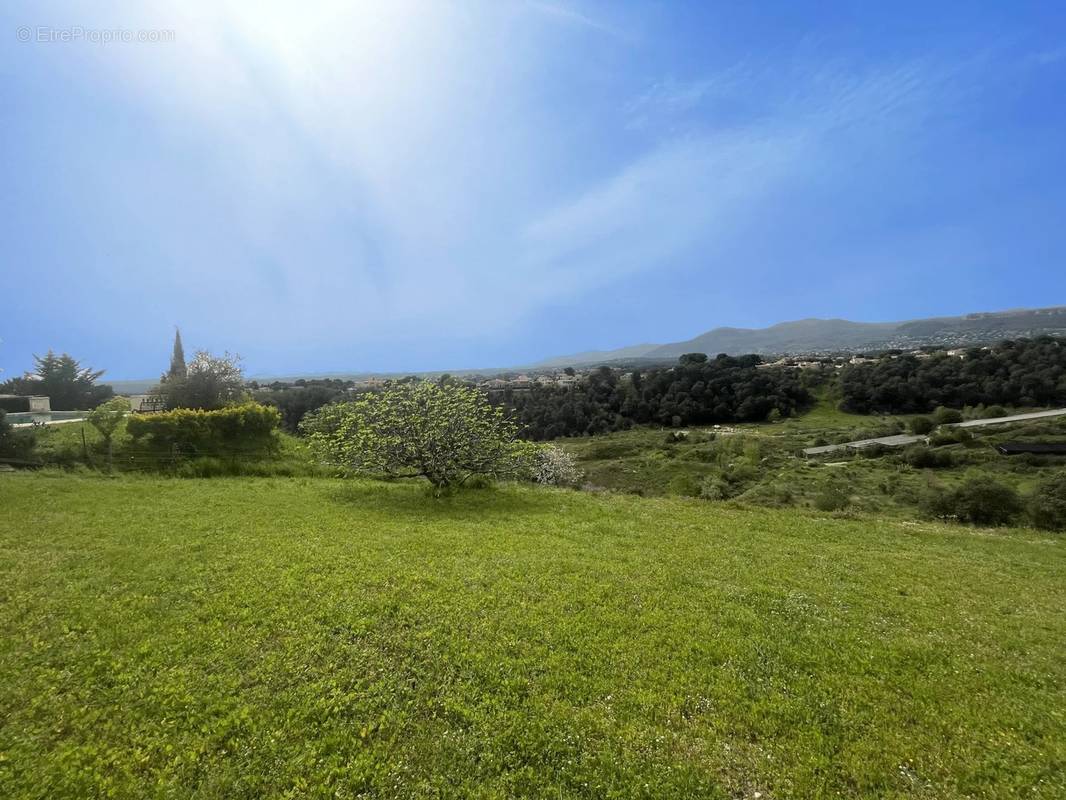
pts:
pixel 145 460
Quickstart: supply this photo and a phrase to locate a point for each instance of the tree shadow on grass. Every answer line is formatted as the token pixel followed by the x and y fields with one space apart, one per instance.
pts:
pixel 414 499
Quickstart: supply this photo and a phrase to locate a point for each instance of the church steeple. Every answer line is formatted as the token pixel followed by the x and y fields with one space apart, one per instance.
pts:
pixel 177 358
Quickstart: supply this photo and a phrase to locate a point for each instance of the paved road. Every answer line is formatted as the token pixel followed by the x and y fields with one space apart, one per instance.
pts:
pixel 977 423
pixel 901 440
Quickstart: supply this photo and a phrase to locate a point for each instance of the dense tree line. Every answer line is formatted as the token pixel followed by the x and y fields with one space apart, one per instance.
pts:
pixel 696 391
pixel 295 400
pixel 61 378
pixel 1027 372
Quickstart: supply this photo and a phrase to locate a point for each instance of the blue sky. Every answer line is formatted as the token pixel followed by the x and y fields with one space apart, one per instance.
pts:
pixel 431 185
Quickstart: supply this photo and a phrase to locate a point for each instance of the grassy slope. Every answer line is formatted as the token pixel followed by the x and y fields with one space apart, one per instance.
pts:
pixel 308 637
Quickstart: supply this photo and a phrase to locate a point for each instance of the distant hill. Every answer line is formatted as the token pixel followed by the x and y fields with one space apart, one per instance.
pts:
pixel 600 356
pixel 131 386
pixel 812 336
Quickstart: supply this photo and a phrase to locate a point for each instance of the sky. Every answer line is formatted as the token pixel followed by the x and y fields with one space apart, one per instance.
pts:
pixel 449 184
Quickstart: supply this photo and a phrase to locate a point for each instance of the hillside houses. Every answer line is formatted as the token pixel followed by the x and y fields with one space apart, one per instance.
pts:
pixel 524 382
pixel 791 363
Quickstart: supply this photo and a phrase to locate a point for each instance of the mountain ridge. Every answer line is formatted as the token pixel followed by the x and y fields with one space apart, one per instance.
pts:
pixel 813 335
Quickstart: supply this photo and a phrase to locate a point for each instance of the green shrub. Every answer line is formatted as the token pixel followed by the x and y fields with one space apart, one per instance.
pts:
pixel 946 416
pixel 15 444
pixel 684 485
pixel 716 488
pixel 949 436
pixel 937 503
pixel 1047 505
pixel 739 474
pixel 979 500
pixel 922 425
pixel 244 430
pixel 921 457
pixel 734 479
pixel 983 501
pixel 739 449
pixel 831 498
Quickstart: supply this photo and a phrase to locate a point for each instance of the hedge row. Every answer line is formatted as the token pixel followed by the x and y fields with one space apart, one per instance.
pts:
pixel 247 429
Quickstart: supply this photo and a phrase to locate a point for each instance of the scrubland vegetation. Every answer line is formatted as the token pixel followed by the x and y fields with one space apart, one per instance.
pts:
pixel 760 465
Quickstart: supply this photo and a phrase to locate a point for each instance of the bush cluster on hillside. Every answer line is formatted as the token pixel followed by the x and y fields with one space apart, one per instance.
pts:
pixel 695 392
pixel 1047 505
pixel 831 497
pixel 1028 372
pixel 982 500
pixel 921 457
pixel 979 500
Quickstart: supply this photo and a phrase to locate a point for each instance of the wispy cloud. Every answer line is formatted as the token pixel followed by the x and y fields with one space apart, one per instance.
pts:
pixel 669 99
pixel 703 188
pixel 568 15
pixel 681 193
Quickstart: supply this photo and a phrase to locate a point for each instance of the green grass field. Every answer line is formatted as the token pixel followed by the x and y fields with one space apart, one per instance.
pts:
pixel 307 637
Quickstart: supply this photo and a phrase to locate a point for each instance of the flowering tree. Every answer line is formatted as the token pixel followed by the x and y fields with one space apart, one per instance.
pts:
pixel 553 466
pixel 445 433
